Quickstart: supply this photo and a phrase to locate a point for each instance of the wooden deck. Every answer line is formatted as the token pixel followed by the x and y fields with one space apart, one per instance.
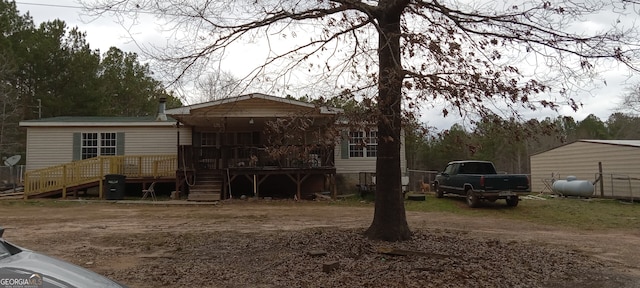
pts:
pixel 81 174
pixel 258 175
pixel 70 178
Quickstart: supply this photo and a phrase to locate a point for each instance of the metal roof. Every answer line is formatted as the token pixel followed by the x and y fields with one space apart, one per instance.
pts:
pixel 628 143
pixel 97 121
pixel 633 143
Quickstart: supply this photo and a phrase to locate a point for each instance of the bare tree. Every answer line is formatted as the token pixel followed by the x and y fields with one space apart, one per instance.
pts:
pixel 291 138
pixel 217 85
pixel 470 55
pixel 631 100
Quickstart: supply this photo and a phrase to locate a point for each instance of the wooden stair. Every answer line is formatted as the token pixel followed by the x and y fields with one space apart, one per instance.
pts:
pixel 207 187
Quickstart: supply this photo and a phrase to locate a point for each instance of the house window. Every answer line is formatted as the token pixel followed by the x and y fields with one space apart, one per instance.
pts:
pixel 356 149
pixel 97 144
pixel 372 144
pixel 363 144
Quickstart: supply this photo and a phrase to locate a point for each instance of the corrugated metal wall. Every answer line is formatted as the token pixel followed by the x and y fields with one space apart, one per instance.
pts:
pixel 620 166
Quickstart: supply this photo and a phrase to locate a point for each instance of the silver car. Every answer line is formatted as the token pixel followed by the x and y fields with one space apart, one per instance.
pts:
pixel 20 267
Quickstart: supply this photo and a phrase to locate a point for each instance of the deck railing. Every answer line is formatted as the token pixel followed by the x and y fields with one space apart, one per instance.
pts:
pixel 86 171
pixel 240 156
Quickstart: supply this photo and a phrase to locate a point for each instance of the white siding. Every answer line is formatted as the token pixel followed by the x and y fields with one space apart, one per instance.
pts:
pixel 154 140
pixel 364 164
pixel 581 159
pixel 354 165
pixel 50 146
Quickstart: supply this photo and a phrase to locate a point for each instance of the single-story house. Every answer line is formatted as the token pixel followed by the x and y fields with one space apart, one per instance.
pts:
pixel 617 160
pixel 224 148
pixel 59 140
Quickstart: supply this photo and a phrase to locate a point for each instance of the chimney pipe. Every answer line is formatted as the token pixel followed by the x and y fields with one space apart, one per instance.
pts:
pixel 161 108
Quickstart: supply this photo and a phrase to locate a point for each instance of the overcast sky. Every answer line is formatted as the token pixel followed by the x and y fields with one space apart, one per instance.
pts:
pixel 104 32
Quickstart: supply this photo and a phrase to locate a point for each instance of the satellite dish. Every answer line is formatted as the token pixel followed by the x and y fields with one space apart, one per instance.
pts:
pixel 13 160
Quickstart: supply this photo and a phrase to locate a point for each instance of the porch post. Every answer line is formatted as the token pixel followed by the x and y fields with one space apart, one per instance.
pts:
pixel 255 186
pixel 177 159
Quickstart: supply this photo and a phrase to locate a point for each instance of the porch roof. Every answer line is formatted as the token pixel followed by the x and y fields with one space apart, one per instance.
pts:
pixel 250 108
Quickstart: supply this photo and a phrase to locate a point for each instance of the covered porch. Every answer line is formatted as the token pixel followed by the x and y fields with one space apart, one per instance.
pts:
pixel 295 175
pixel 256 146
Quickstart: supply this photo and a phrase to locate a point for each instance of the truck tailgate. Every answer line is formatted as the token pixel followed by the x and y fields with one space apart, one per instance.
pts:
pixel 506 182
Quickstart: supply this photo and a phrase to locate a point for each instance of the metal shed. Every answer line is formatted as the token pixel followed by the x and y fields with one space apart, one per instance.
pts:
pixel 616 161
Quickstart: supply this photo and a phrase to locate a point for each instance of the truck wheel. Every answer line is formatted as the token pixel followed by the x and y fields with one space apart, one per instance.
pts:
pixel 472 199
pixel 439 193
pixel 513 201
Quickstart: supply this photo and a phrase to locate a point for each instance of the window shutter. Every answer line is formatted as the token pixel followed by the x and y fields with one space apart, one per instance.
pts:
pixel 77 143
pixel 344 145
pixel 120 143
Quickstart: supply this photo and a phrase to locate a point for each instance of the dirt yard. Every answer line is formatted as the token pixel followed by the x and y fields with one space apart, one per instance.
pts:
pixel 270 244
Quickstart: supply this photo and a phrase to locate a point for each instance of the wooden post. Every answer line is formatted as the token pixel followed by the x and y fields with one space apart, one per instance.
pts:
pixel 101 185
pixel 601 179
pixel 155 169
pixel 64 181
pixel 255 186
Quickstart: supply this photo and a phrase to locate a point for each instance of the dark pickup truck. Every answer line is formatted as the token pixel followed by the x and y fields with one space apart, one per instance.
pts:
pixel 478 180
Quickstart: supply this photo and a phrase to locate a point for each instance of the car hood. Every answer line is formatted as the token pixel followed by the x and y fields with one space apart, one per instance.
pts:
pixel 54 272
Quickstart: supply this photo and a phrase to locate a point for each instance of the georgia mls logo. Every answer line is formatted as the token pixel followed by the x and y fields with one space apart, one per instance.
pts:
pixel 15 279
pixel 35 279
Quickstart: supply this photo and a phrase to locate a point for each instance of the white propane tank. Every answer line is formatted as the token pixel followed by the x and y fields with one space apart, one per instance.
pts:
pixel 573 187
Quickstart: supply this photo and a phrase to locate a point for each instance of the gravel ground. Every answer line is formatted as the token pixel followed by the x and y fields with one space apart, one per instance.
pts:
pixel 283 259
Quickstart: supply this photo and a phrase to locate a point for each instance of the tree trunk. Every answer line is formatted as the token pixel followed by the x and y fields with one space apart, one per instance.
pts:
pixel 389 220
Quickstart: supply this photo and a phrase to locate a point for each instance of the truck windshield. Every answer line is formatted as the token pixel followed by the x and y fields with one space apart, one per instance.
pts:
pixel 477 168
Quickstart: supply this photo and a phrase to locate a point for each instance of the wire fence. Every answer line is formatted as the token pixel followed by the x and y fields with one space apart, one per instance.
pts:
pixel 421 180
pixel 610 185
pixel 620 186
pixel 11 176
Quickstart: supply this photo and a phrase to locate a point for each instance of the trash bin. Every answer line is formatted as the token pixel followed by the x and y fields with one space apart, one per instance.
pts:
pixel 114 186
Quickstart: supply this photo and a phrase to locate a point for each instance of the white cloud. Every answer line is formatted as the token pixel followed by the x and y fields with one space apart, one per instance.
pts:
pixel 101 33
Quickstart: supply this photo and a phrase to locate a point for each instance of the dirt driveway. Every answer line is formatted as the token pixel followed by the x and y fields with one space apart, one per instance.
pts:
pixel 267 243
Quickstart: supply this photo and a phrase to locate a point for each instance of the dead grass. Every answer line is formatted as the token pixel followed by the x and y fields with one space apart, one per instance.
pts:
pixel 578 213
pixel 264 243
